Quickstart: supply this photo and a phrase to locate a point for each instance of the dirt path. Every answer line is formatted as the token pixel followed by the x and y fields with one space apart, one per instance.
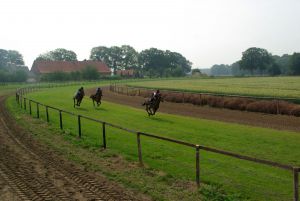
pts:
pixel 31 171
pixel 279 122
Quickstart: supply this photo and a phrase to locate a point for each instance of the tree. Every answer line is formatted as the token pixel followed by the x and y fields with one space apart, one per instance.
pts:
pixel 10 58
pixel 274 69
pixel 178 65
pixel 283 63
pixel 61 54
pixel 220 70
pixel 153 62
pixel 20 76
pixel 255 59
pixel 100 53
pixel 58 54
pixel 129 57
pixel 12 67
pixel 3 58
pixel 115 58
pixel 110 56
pixel 159 63
pixel 15 57
pixel 44 57
pixel 90 73
pixel 295 64
pixel 196 71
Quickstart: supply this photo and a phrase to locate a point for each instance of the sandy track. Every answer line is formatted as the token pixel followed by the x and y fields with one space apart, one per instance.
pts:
pixel 31 171
pixel 279 122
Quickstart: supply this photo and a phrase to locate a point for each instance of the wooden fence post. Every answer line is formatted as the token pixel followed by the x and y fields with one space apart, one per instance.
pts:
pixel 198 165
pixel 139 148
pixel 21 101
pixel 296 183
pixel 30 112
pixel 60 120
pixel 79 127
pixel 103 135
pixel 37 110
pixel 182 97
pixel 200 98
pixel 24 103
pixel 47 114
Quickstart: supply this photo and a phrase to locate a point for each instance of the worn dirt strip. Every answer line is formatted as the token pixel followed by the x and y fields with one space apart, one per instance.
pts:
pixel 31 171
pixel 279 122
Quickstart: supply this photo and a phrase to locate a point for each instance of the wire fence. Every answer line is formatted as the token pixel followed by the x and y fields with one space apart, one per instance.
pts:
pixel 208 164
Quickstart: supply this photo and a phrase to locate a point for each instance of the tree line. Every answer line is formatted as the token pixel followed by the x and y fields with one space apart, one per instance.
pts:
pixel 12 67
pixel 258 61
pixel 150 62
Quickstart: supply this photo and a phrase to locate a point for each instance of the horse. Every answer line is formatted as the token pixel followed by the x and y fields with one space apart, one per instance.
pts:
pixel 96 98
pixel 152 106
pixel 78 97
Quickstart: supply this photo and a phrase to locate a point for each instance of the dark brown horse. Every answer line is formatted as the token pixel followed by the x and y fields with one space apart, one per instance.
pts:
pixel 78 97
pixel 152 106
pixel 96 98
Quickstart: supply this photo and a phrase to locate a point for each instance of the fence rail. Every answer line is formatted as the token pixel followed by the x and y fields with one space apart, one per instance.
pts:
pixel 293 100
pixel 22 101
pixel 270 105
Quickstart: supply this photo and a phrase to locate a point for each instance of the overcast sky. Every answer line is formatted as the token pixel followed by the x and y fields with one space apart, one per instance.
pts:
pixel 206 32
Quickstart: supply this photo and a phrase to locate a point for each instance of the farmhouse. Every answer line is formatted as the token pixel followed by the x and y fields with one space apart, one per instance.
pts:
pixel 45 67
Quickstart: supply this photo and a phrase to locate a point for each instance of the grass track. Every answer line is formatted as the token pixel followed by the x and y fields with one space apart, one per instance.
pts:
pixel 256 181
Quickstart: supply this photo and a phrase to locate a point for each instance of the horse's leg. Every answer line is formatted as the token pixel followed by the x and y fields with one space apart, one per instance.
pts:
pixel 152 111
pixel 74 102
pixel 147 110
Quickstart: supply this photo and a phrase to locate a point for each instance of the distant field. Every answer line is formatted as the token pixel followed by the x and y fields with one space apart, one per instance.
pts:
pixel 255 86
pixel 257 182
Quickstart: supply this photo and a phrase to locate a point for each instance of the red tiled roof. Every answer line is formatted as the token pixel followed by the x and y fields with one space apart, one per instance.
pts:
pixel 67 66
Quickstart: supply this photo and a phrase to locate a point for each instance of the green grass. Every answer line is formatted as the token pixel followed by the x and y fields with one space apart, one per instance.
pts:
pixel 259 182
pixel 9 88
pixel 285 87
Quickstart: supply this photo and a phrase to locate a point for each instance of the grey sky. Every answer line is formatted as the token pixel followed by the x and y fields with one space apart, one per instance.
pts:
pixel 206 32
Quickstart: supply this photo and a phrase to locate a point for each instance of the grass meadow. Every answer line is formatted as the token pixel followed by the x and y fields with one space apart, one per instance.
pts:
pixel 244 180
pixel 285 87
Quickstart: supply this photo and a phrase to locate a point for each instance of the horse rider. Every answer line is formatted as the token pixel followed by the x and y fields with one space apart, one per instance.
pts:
pixel 80 91
pixel 155 95
pixel 99 92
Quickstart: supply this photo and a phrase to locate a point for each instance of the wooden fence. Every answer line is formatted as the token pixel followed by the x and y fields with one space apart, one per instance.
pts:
pixel 125 89
pixel 26 103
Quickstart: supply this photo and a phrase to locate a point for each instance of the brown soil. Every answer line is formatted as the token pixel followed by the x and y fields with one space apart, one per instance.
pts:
pixel 279 122
pixel 30 170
